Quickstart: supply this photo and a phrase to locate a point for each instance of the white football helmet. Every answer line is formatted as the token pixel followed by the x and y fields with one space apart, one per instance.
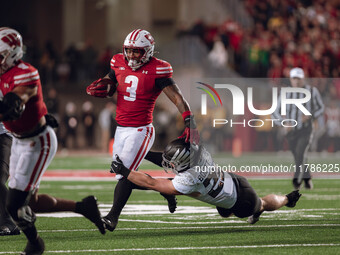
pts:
pixel 10 48
pixel 142 40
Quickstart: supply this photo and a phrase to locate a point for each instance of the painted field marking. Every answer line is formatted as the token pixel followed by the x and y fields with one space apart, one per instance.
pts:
pixel 105 175
pixel 142 209
pixel 192 248
pixel 194 227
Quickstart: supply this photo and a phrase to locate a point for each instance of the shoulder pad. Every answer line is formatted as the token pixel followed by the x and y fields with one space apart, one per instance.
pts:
pixel 163 68
pixel 25 75
pixel 117 61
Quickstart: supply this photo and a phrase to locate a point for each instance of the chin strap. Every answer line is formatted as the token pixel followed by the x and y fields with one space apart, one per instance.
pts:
pixel 134 64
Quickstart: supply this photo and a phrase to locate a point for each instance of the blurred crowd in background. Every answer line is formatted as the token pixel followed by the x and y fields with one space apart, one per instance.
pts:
pixel 285 34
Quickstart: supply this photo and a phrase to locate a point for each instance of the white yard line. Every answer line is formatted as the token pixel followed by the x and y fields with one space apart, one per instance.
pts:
pixel 193 248
pixel 195 227
pixel 143 209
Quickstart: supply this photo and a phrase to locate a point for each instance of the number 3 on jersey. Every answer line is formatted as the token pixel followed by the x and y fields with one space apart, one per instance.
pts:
pixel 133 80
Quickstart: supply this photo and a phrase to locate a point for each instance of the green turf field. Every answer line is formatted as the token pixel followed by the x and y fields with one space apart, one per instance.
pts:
pixel 103 162
pixel 312 227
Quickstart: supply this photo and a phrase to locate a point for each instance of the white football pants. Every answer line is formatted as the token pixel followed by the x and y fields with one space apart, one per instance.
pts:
pixel 30 158
pixel 131 144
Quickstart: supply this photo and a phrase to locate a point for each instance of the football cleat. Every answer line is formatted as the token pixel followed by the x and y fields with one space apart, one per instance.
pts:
pixel 308 184
pixel 293 197
pixel 172 202
pixel 110 223
pixel 9 230
pixel 296 184
pixel 252 219
pixel 92 213
pixel 36 248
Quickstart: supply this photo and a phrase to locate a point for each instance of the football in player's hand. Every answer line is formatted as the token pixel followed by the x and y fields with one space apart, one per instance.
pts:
pixel 102 88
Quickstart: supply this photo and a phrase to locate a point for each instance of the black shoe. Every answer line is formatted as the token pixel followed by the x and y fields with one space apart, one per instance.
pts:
pixel 172 202
pixel 293 197
pixel 36 248
pixel 308 184
pixel 9 230
pixel 296 184
pixel 254 218
pixel 110 223
pixel 91 212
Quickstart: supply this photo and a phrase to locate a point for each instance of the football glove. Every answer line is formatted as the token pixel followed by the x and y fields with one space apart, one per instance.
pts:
pixel 118 167
pixel 11 107
pixel 102 88
pixel 190 131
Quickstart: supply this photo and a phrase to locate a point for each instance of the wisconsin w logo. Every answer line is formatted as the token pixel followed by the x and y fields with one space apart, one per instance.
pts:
pixel 204 97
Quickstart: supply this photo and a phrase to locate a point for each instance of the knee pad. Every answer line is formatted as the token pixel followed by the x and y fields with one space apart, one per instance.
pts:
pixel 26 217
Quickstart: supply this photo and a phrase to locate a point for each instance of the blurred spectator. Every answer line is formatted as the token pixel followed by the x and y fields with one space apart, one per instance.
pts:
pixel 63 70
pixel 70 122
pixel 47 64
pixel 299 33
pixel 333 127
pixel 88 121
pixel 106 125
pixel 52 103
pixel 198 29
pixel 89 61
pixel 103 62
pixel 218 56
pixel 264 131
pixel 73 57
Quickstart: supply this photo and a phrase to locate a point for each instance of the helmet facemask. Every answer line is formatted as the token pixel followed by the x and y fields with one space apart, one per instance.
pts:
pixel 139 40
pixel 133 62
pixel 3 65
pixel 180 157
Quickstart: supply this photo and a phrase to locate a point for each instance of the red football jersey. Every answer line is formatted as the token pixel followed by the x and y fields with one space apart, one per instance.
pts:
pixel 24 74
pixel 136 91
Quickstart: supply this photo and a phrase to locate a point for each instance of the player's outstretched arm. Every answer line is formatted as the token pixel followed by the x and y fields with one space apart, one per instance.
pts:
pixel 162 185
pixel 175 95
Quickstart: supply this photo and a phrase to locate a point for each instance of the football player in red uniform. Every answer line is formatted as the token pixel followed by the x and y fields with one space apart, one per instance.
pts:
pixel 139 78
pixel 24 114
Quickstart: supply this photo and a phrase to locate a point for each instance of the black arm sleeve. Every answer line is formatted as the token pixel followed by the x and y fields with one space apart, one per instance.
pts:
pixel 2 107
pixel 155 157
pixel 112 76
pixel 161 83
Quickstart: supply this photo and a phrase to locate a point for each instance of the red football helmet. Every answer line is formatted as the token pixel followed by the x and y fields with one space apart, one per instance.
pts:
pixel 10 48
pixel 142 40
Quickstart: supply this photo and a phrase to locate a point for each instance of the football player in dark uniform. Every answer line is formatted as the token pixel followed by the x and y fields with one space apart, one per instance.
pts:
pixel 198 177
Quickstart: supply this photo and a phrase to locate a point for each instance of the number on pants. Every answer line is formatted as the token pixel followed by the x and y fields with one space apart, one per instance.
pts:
pixel 213 179
pixel 132 89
